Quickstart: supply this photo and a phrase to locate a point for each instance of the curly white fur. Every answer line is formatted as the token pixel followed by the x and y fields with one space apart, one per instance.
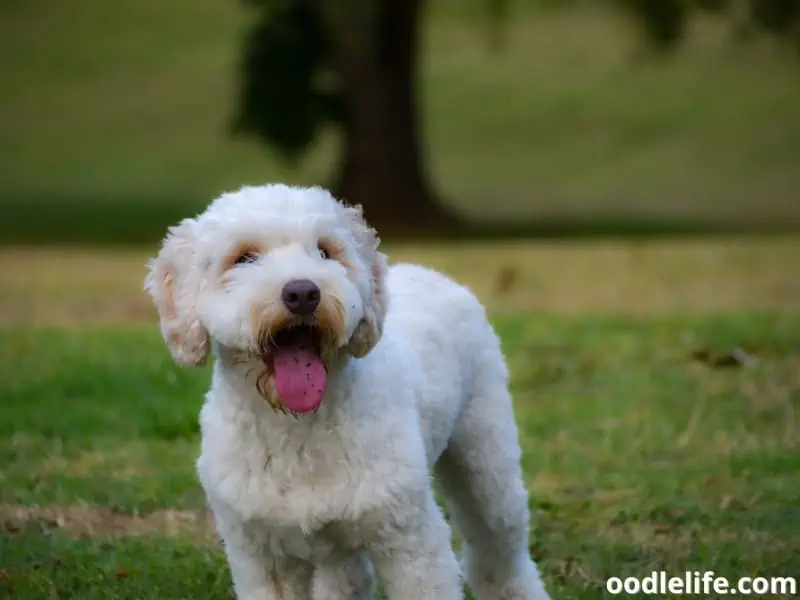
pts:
pixel 308 505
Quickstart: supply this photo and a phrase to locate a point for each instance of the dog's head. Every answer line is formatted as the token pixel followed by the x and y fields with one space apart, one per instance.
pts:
pixel 286 279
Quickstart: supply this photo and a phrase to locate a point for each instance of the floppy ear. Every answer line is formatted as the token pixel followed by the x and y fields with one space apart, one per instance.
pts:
pixel 174 280
pixel 370 328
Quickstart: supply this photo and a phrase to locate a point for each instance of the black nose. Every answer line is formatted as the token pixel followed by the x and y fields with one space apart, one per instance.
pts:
pixel 301 296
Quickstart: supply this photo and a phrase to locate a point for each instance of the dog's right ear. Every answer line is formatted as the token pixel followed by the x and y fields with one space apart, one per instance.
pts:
pixel 173 282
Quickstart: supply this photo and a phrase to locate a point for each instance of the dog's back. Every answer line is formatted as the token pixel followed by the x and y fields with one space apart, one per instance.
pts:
pixel 467 418
pixel 448 334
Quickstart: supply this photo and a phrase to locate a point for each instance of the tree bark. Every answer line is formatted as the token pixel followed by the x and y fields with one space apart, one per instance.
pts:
pixel 382 162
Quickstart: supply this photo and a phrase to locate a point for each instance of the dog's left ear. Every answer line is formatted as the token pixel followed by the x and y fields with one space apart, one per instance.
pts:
pixel 173 282
pixel 370 328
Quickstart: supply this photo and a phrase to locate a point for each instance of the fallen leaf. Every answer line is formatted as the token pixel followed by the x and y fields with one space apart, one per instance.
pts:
pixel 702 355
pixel 506 279
pixel 736 357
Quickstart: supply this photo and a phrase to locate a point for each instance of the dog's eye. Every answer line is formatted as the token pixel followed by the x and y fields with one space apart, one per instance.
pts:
pixel 246 258
pixel 323 252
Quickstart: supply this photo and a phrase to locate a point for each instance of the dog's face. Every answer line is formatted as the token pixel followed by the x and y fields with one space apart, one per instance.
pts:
pixel 287 280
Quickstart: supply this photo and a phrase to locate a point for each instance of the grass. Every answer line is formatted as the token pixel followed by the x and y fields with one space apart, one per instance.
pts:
pixel 634 277
pixel 642 451
pixel 638 458
pixel 570 126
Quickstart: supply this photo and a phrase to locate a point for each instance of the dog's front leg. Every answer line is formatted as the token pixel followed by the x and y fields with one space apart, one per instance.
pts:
pixel 257 574
pixel 268 578
pixel 413 557
pixel 346 577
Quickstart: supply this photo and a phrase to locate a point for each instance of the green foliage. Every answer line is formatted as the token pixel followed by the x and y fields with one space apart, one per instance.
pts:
pixel 287 91
pixel 497 15
pixel 778 16
pixel 663 21
pixel 712 5
pixel 669 134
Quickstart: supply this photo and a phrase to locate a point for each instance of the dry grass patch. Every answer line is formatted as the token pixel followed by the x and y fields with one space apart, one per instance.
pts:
pixel 43 286
pixel 86 521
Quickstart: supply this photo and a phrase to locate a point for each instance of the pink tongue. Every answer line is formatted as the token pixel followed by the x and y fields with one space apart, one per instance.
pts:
pixel 300 379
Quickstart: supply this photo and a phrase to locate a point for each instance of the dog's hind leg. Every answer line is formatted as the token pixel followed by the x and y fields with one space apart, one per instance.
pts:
pixel 481 477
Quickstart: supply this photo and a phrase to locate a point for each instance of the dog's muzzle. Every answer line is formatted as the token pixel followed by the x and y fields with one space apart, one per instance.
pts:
pixel 294 357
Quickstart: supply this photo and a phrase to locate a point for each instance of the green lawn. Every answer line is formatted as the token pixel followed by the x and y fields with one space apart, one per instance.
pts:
pixel 628 277
pixel 115 114
pixel 638 456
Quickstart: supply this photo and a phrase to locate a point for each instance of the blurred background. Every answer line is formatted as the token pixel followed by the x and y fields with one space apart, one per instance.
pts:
pixel 526 117
pixel 451 120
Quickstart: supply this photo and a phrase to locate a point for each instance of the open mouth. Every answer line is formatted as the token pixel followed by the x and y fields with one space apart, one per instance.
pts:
pixel 294 356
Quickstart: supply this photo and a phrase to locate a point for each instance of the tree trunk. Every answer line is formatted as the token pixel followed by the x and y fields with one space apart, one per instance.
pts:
pixel 382 166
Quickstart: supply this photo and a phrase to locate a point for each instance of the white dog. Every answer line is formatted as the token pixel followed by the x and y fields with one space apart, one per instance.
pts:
pixel 339 387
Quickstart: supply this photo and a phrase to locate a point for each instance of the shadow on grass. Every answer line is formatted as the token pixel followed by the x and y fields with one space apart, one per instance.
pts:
pixel 93 220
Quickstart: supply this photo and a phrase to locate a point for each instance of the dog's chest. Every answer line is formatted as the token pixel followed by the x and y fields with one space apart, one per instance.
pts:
pixel 336 537
pixel 311 497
